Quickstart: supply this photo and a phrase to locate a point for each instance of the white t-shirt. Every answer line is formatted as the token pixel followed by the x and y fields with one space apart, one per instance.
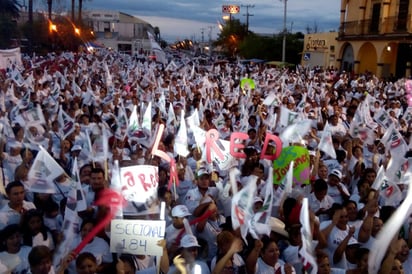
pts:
pixel 336 236
pixel 10 216
pixel 18 262
pixel 263 268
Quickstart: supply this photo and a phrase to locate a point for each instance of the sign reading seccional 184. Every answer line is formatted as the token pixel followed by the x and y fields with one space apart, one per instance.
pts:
pixel 233 9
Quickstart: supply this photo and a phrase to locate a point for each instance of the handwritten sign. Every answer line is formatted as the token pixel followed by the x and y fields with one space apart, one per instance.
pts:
pixel 138 237
pixel 301 169
pixel 139 183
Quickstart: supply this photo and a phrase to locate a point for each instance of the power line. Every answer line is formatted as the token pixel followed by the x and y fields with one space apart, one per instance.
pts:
pixel 247 15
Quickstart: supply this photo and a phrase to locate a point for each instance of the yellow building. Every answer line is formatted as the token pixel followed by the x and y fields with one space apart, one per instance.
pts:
pixel 376 36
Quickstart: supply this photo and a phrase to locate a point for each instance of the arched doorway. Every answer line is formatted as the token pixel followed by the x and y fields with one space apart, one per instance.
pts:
pixel 348 58
pixel 367 58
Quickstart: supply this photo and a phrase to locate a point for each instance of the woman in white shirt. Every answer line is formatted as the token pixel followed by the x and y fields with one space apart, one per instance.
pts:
pixel 268 261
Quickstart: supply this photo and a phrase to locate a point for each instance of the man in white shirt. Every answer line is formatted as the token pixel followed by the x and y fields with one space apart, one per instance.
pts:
pixel 11 211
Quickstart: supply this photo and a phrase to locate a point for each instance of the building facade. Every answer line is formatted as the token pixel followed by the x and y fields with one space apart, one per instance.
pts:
pixel 374 36
pixel 120 31
pixel 320 49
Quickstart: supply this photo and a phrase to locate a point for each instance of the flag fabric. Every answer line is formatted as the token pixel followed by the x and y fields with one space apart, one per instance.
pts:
pixel 242 207
pixel 260 222
pixel 157 50
pixel 294 133
pixel 181 143
pixel 325 143
pixel 147 119
pixel 133 129
pixel 43 173
pixel 306 251
pixel 81 203
pixel 387 233
pixel 66 123
pixel 287 117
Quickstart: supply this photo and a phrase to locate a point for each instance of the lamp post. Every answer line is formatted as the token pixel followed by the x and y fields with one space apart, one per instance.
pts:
pixel 284 33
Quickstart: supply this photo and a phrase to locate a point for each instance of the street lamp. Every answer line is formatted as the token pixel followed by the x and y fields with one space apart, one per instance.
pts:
pixel 77 31
pixel 284 33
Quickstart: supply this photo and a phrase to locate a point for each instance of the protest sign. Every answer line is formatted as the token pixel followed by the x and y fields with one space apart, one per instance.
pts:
pixel 138 237
pixel 139 183
pixel 301 170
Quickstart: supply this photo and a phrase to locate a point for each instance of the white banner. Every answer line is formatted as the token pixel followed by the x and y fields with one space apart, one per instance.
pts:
pixel 138 237
pixel 10 56
pixel 139 183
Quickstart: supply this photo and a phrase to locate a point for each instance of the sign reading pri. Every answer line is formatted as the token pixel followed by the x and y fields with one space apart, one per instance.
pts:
pixel 138 237
pixel 232 9
pixel 139 183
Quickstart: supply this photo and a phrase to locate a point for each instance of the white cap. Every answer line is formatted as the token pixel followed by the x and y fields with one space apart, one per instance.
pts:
pixel 180 211
pixel 188 241
pixel 76 147
pixel 337 173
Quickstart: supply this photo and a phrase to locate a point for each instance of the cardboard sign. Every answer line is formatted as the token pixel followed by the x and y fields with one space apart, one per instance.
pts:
pixel 301 169
pixel 139 183
pixel 137 237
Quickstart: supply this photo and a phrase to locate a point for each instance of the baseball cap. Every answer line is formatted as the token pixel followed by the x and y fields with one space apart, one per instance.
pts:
pixel 202 171
pixel 76 147
pixel 337 173
pixel 189 241
pixel 180 211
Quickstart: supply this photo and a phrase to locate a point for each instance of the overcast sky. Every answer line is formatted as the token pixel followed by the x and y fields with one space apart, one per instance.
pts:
pixel 180 19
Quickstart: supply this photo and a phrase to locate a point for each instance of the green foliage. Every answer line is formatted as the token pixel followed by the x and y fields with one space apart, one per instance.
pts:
pixel 230 37
pixel 234 40
pixel 270 48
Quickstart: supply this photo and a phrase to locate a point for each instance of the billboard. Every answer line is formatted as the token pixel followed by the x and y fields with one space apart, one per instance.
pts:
pixel 232 9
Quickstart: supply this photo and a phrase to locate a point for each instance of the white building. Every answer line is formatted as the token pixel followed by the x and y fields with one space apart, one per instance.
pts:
pixel 120 31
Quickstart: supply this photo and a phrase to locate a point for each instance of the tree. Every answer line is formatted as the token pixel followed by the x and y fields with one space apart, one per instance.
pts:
pixel 9 12
pixel 231 35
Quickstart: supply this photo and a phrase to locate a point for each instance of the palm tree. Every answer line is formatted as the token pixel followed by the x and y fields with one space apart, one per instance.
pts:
pixel 73 3
pixel 49 6
pixel 79 17
pixel 30 11
pixel 10 8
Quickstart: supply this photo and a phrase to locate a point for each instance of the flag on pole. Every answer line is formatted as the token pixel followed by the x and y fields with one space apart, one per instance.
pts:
pixel 43 173
pixel 306 251
pixel 81 203
pixel 242 207
pixel 325 143
pixel 181 144
pixel 387 233
pixel 66 123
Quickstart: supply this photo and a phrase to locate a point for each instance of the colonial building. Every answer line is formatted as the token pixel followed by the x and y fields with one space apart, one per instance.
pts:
pixel 374 36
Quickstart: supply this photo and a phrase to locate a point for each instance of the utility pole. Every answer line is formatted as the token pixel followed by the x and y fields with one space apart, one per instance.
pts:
pixel 210 39
pixel 284 33
pixel 247 15
pixel 203 34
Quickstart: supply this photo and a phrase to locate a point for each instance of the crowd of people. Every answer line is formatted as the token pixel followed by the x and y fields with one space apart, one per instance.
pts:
pixel 100 91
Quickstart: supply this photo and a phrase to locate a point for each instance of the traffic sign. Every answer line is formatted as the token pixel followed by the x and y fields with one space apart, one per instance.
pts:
pixel 306 56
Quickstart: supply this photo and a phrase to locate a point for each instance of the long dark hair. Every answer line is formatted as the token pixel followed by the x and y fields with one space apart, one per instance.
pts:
pixel 27 233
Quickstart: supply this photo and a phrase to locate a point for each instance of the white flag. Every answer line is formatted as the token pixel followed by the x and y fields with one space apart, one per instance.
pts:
pixel 325 143
pixel 242 207
pixel 306 251
pixel 180 145
pixel 43 173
